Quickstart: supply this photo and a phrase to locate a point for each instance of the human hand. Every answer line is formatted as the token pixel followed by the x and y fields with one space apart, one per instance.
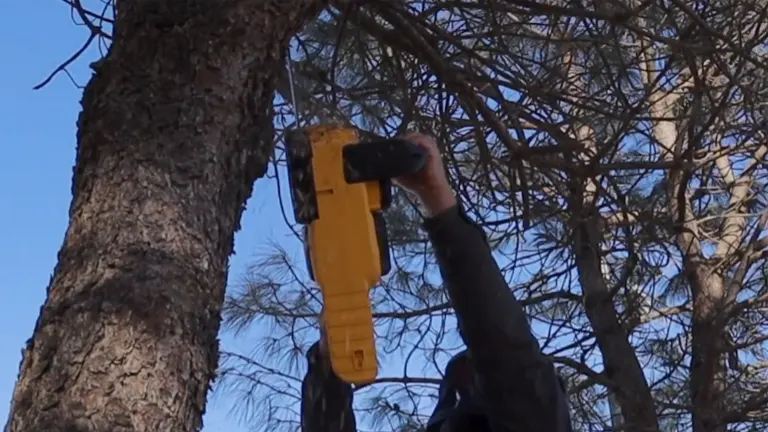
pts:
pixel 430 184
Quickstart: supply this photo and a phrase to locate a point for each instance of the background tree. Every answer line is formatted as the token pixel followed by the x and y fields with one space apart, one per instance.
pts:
pixel 175 128
pixel 615 153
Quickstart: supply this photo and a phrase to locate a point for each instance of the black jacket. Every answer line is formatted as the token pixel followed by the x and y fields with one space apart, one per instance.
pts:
pixel 514 388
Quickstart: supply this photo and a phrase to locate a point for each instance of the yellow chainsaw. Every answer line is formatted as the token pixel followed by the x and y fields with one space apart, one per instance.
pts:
pixel 339 188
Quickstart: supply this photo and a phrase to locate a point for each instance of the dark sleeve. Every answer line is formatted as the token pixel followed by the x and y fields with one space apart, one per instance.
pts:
pixel 326 400
pixel 518 384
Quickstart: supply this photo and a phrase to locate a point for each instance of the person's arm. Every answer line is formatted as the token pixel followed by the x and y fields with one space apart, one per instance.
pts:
pixel 518 384
pixel 326 400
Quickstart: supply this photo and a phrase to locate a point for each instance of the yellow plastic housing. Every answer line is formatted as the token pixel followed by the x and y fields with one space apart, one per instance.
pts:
pixel 344 255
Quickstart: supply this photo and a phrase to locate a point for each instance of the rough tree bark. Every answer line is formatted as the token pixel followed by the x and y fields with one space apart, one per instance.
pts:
pixel 175 128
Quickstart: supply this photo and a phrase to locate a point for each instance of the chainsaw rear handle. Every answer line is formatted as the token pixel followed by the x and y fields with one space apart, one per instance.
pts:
pixel 382 159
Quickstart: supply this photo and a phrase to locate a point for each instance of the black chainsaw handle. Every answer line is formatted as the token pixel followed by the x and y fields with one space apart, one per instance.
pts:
pixel 382 160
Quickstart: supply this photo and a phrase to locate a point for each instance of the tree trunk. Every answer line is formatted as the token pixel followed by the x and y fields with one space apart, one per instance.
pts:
pixel 621 366
pixel 620 362
pixel 708 371
pixel 175 128
pixel 707 379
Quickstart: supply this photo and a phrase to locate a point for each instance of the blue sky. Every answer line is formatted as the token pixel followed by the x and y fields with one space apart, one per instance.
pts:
pixel 37 131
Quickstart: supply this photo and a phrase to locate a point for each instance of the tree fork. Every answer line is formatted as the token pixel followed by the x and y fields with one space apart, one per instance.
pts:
pixel 175 128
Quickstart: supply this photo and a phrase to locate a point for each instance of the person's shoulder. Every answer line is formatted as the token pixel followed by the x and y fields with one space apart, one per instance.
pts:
pixel 458 358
